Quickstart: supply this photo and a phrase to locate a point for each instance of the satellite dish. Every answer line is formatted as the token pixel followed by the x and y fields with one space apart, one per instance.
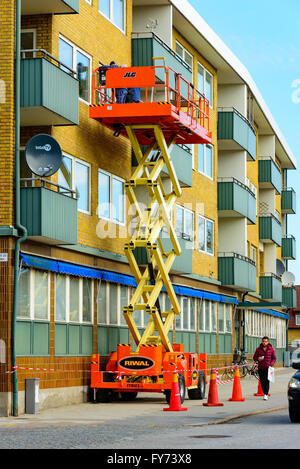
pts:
pixel 288 279
pixel 280 267
pixel 43 155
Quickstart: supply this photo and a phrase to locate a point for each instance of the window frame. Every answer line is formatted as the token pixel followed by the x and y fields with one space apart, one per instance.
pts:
pixel 31 292
pixel 111 11
pixel 118 178
pixel 205 73
pixel 185 51
pixel 204 172
pixel 180 233
pixel 205 236
pixel 107 305
pixel 80 301
pixel 74 65
pixel 75 160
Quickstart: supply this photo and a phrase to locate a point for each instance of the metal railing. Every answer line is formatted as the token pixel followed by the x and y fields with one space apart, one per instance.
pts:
pixel 237 255
pixel 233 109
pixel 42 53
pixel 193 103
pixel 42 182
pixel 236 181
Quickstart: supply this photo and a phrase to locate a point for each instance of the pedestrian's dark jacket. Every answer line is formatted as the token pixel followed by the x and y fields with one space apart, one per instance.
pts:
pixel 269 354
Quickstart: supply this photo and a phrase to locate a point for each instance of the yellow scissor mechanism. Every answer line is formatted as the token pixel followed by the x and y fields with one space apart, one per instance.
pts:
pixel 151 220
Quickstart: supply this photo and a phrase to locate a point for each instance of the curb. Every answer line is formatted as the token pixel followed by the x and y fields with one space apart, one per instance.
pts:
pixel 238 416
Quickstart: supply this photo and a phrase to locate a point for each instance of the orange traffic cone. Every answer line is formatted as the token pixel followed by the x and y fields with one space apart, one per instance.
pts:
pixel 237 390
pixel 213 399
pixel 175 401
pixel 260 392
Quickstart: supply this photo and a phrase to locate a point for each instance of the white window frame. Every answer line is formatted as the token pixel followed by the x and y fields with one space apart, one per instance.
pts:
pixel 185 210
pixel 205 235
pixel 297 319
pixel 110 218
pixel 34 31
pixel 74 62
pixel 185 51
pixel 111 14
pixel 31 297
pixel 204 173
pixel 119 310
pixel 205 73
pixel 73 181
pixel 80 299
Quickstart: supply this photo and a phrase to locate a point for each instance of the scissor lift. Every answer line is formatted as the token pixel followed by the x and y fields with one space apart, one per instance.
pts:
pixel 170 111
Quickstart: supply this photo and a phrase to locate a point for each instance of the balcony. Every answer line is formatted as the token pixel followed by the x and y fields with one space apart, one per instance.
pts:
pixel 288 201
pixel 270 229
pixel 269 175
pixel 237 271
pixel 289 297
pixel 49 7
pixel 147 45
pixel 270 287
pixel 235 199
pixel 50 216
pixel 235 132
pixel 49 94
pixel 288 248
pixel 182 263
pixel 182 160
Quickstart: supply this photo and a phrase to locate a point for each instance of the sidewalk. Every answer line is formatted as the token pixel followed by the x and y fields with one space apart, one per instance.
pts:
pixel 149 404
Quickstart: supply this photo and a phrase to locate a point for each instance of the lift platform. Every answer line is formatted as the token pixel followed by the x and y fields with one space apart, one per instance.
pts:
pixel 170 110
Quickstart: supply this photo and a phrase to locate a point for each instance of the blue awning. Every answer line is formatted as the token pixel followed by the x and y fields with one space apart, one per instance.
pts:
pixel 188 291
pixel 39 262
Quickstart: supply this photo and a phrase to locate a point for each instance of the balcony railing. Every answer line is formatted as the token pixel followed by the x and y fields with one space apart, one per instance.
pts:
pixel 236 199
pixel 49 90
pixel 288 201
pixel 236 132
pixel 270 229
pixel 288 248
pixel 48 211
pixel 269 174
pixel 270 286
pixel 236 270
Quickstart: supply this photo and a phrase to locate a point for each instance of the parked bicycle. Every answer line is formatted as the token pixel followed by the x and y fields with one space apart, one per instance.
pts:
pixel 246 365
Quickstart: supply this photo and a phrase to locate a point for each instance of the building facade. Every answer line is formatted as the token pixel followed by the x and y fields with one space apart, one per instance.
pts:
pixel 73 277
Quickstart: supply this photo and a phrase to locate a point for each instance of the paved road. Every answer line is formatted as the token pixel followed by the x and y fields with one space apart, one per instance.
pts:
pixel 143 424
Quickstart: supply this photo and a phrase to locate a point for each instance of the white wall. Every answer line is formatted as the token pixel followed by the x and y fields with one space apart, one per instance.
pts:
pixel 233 235
pixel 266 146
pixel 232 164
pixel 144 15
pixel 270 258
pixel 267 201
pixel 233 96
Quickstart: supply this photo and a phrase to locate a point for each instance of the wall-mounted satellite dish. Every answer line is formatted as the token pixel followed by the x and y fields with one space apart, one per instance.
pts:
pixel 280 267
pixel 288 279
pixel 43 155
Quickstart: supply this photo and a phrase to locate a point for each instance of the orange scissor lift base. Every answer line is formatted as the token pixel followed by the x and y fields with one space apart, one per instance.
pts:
pixel 149 370
pixel 182 114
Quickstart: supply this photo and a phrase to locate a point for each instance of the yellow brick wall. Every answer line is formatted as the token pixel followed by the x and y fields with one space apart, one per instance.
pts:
pixel 202 198
pixel 7 123
pixel 253 230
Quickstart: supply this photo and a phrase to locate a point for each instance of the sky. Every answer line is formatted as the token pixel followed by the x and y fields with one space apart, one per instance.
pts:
pixel 265 36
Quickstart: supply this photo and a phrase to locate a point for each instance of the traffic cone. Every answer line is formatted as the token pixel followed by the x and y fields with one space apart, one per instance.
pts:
pixel 213 399
pixel 237 390
pixel 260 392
pixel 175 401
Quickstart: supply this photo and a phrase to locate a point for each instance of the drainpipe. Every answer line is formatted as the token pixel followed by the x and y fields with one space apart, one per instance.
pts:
pixel 18 225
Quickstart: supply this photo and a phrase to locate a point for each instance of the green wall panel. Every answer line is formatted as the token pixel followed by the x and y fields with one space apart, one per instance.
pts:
pixel 288 201
pixel 32 338
pixel 233 126
pixel 269 174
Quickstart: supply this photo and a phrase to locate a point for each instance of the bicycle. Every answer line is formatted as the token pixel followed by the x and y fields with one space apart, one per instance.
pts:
pixel 246 365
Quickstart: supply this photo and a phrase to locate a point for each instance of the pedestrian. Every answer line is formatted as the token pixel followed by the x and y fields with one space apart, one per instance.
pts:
pixel 265 356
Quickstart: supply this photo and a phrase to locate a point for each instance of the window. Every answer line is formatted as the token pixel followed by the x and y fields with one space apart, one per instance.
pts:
pixel 78 60
pixel 34 295
pixel 297 319
pixel 253 254
pixel 74 174
pixel 186 320
pixel 111 197
pixel 206 316
pixel 111 299
pixel 221 318
pixel 205 83
pixel 228 319
pixel 114 10
pixel 73 299
pixel 206 235
pixel 184 54
pixel 28 41
pixel 184 223
pixel 206 160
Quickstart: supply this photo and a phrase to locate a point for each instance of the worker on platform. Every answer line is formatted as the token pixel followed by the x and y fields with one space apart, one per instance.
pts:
pixel 133 95
pixel 121 93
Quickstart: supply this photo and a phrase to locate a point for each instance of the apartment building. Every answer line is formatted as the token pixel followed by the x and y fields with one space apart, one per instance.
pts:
pixel 74 279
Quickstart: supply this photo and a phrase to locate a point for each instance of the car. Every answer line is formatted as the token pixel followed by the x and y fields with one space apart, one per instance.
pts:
pixel 294 394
